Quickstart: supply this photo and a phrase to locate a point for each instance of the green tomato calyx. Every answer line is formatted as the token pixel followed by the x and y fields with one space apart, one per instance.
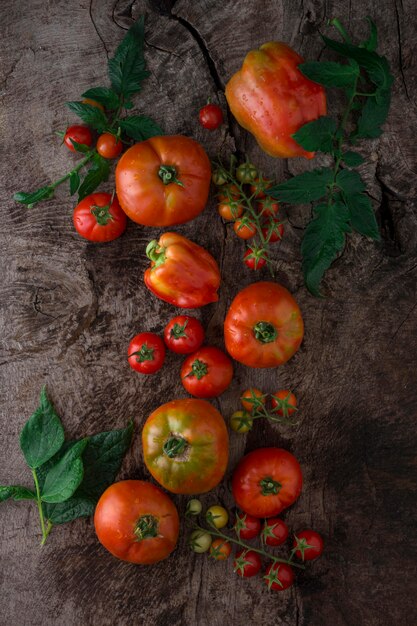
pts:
pixel 269 486
pixel 168 175
pixel 175 446
pixel 265 332
pixel 146 527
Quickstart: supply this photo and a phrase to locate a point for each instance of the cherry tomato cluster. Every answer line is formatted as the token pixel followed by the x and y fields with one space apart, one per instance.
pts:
pixel 243 200
pixel 283 404
pixel 307 545
pixel 206 372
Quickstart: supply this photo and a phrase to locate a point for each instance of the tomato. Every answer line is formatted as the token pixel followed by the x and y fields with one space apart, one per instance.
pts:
pixel 79 134
pixel 244 228
pixel 251 398
pixel 137 522
pixel 259 186
pixel 207 373
pixel 210 116
pixel 279 576
pixel 220 549
pixel 274 231
pixel 146 353
pixel 194 507
pixel 284 402
pixel 93 103
pixel 230 210
pixel 247 563
pixel 163 181
pixel 274 531
pixel 308 545
pixel 228 192
pixel 255 258
pixel 246 173
pixel 98 217
pixel 108 146
pixel 185 446
pixel 218 178
pixel 264 326
pixel 241 422
pixel 184 334
pixel 200 541
pixel 217 516
pixel 266 481
pixel 246 526
pixel 267 207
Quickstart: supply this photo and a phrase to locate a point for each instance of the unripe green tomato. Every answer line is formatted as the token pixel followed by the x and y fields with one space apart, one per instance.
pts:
pixel 241 422
pixel 246 173
pixel 218 178
pixel 194 507
pixel 217 515
pixel 200 541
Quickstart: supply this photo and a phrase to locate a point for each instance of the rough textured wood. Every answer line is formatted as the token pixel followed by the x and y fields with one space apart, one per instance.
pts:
pixel 68 309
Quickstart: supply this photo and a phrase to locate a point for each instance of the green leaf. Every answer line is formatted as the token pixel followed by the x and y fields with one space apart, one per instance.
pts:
pixel 103 95
pixel 373 115
pixel 372 42
pixel 140 127
pixel 317 135
pixel 80 147
pixel 362 217
pixel 42 435
pixel 63 478
pixel 43 193
pixel 98 173
pixel 352 159
pixel 16 492
pixel 329 73
pixel 74 182
pixel 74 507
pixel 324 238
pixel 91 115
pixel 350 182
pixel 305 187
pixel 127 67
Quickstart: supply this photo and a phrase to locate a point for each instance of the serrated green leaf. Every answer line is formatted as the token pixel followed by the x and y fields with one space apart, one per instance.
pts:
pixel 305 187
pixel 74 182
pixel 16 492
pixel 329 73
pixel 103 95
pixel 317 135
pixel 63 478
pixel 373 115
pixel 140 127
pixel 32 198
pixel 80 147
pixel 352 159
pixel 127 68
pixel 63 512
pixel 372 42
pixel 98 173
pixel 42 435
pixel 323 239
pixel 91 115
pixel 350 182
pixel 362 217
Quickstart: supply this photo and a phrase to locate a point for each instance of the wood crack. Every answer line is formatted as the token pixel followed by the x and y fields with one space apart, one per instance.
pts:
pixel 90 11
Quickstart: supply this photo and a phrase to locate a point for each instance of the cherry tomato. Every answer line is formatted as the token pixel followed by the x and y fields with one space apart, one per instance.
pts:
pixel 108 146
pixel 284 402
pixel 251 398
pixel 210 116
pixel 200 541
pixel 98 217
pixel 79 134
pixel 267 206
pixel 230 210
pixel 274 231
pixel 217 515
pixel 308 545
pixel 228 192
pixel 259 186
pixel 220 549
pixel 184 334
pixel 279 576
pixel 218 178
pixel 247 563
pixel 194 507
pixel 93 103
pixel 244 228
pixel 246 173
pixel 137 522
pixel 254 258
pixel 207 373
pixel 241 422
pixel 247 526
pixel 146 353
pixel 274 531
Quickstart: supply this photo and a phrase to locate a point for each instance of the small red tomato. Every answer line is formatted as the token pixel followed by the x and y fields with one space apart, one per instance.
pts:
pixel 244 228
pixel 251 398
pixel 210 116
pixel 279 576
pixel 79 134
pixel 220 550
pixel 259 186
pixel 246 526
pixel 308 545
pixel 230 210
pixel 228 192
pixel 267 207
pixel 247 563
pixel 207 373
pixel 146 353
pixel 274 531
pixel 184 334
pixel 284 402
pixel 98 217
pixel 273 231
pixel 254 258
pixel 108 146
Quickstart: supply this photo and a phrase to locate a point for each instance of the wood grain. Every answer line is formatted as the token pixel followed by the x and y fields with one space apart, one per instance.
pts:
pixel 69 308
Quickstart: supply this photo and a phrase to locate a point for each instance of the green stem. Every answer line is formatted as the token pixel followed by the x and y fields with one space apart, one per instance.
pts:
pixel 45 533
pixel 79 165
pixel 338 26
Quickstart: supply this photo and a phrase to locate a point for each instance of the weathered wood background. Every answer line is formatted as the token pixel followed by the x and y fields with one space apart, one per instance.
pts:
pixel 69 308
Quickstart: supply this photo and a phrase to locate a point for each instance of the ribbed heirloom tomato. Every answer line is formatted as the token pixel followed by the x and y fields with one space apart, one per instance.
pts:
pixel 186 446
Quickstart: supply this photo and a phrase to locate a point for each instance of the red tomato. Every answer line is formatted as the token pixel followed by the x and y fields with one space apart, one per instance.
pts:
pixel 210 116
pixel 108 146
pixel 266 481
pixel 228 192
pixel 279 576
pixel 251 397
pixel 79 134
pixel 98 217
pixel 267 206
pixel 244 228
pixel 308 545
pixel 146 353
pixel 137 522
pixel 207 373
pixel 246 526
pixel 284 402
pixel 220 550
pixel 274 531
pixel 247 563
pixel 254 258
pixel 230 210
pixel 274 231
pixel 184 334
pixel 259 186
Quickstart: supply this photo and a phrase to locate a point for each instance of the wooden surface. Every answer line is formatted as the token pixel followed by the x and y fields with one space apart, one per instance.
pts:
pixel 69 308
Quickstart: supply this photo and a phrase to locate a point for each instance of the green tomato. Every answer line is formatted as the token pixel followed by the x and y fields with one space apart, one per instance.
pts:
pixel 218 178
pixel 194 507
pixel 241 422
pixel 217 515
pixel 246 173
pixel 200 541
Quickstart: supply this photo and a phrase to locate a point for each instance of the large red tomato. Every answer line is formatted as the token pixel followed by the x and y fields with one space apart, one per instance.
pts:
pixel 263 327
pixel 163 181
pixel 267 481
pixel 186 446
pixel 137 522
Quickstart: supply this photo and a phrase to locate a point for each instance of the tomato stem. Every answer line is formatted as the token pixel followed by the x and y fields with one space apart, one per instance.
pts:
pixel 45 533
pixel 146 527
pixel 174 446
pixel 168 175
pixel 265 332
pixel 269 486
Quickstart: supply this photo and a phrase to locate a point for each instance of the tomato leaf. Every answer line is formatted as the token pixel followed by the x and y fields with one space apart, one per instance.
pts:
pixel 74 507
pixel 317 135
pixel 140 127
pixel 103 95
pixel 74 181
pixel 91 115
pixel 305 187
pixel 42 435
pixel 98 173
pixel 329 73
pixel 32 198
pixel 63 478
pixel 350 182
pixel 372 42
pixel 362 217
pixel 127 69
pixel 352 159
pixel 373 115
pixel 16 492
